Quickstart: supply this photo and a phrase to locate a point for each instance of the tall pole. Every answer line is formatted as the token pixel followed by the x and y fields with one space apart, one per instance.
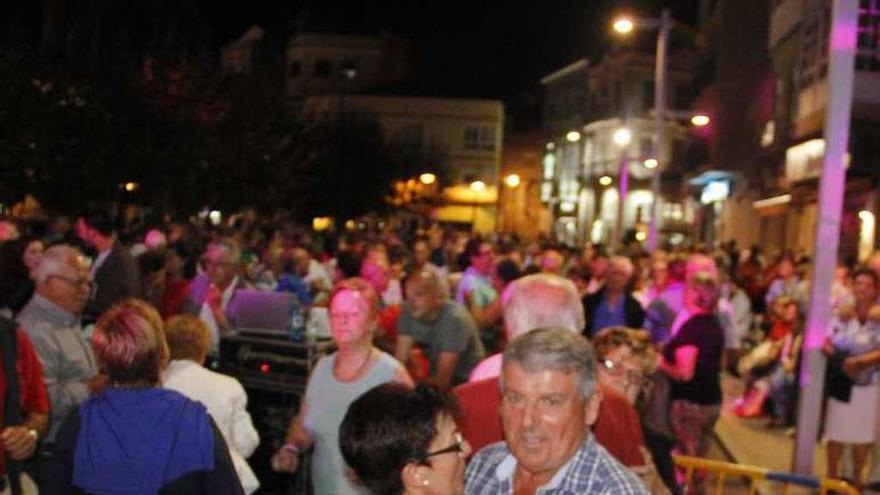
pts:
pixel 841 61
pixel 659 121
pixel 622 193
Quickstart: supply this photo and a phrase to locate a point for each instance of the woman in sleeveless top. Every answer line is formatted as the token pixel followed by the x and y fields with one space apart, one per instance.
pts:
pixel 336 381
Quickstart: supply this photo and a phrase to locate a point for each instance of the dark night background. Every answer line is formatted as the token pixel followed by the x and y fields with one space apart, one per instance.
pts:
pixel 461 48
pixel 118 91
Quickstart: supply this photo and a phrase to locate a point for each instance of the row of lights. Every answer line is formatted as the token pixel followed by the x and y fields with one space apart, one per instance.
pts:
pixel 512 180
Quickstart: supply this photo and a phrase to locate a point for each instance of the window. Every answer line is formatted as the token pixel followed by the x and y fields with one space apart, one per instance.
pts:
pixel 296 68
pixel 323 68
pixel 479 138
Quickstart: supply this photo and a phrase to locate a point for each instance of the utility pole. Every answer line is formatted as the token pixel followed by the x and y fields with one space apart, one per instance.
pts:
pixel 841 63
pixel 659 121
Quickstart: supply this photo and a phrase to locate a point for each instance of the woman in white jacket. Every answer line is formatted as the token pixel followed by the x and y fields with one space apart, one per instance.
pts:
pixel 189 341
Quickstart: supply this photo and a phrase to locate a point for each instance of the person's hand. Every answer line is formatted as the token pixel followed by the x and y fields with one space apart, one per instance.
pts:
pixel 97 383
pixel 213 297
pixel 285 461
pixel 19 442
pixel 827 348
pixel 852 366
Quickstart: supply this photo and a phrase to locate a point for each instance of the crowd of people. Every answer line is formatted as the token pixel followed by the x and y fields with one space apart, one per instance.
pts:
pixel 462 364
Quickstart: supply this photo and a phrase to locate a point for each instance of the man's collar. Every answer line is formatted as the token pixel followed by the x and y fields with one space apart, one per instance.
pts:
pixel 54 310
pixel 506 469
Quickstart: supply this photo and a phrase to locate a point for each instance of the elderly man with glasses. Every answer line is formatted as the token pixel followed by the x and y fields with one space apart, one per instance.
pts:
pixel 211 291
pixel 52 321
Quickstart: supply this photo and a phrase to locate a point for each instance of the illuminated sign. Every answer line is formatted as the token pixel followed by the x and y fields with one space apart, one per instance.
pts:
pixel 715 190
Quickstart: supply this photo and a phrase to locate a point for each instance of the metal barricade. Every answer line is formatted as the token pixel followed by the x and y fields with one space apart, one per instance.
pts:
pixel 726 470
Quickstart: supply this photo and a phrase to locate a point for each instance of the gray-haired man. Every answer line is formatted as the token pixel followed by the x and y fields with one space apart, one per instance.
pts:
pixel 52 321
pixel 548 402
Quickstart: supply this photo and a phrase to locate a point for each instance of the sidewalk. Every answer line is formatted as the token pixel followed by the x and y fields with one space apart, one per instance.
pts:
pixel 749 441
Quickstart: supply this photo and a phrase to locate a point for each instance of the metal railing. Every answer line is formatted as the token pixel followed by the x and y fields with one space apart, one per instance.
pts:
pixel 722 471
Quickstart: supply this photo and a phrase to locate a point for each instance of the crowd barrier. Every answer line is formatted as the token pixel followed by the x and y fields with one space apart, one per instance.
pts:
pixel 722 471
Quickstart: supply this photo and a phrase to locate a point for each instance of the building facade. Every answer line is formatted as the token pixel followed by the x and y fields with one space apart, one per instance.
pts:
pixel 318 64
pixel 460 138
pixel 798 43
pixel 585 159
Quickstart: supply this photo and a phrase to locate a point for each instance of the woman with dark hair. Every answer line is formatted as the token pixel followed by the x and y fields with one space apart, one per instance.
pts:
pixel 136 437
pixel 403 441
pixel 18 258
pixel 692 361
pixel 334 383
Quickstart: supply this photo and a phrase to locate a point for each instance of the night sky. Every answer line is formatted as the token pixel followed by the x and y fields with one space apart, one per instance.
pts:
pixel 466 48
pixel 460 48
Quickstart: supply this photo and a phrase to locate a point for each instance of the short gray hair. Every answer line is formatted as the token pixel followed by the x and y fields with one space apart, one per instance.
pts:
pixel 230 245
pixel 54 260
pixel 556 349
pixel 541 300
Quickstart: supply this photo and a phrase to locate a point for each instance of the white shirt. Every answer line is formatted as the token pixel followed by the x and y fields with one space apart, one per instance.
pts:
pixel 207 315
pixel 102 257
pixel 226 402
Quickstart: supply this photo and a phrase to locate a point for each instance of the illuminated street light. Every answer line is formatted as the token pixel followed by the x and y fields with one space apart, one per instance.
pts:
pixel 651 163
pixel 622 136
pixel 428 179
pixel 605 180
pixel 512 180
pixel 478 186
pixel 573 136
pixel 700 120
pixel 130 186
pixel 623 25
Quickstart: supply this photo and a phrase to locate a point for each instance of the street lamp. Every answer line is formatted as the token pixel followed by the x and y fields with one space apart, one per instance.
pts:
pixel 573 136
pixel 622 136
pixel 427 179
pixel 700 120
pixel 623 25
pixel 663 25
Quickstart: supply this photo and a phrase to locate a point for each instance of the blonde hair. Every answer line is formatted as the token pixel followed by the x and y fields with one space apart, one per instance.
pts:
pixel 188 337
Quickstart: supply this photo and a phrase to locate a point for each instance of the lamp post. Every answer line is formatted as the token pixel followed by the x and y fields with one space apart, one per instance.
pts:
pixel 621 138
pixel 663 25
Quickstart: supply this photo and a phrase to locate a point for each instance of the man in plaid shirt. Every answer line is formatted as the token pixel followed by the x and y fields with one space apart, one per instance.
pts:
pixel 548 401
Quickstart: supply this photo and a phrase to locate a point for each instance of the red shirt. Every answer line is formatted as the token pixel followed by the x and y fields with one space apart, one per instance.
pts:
pixel 32 390
pixel 479 403
pixel 173 297
pixel 619 429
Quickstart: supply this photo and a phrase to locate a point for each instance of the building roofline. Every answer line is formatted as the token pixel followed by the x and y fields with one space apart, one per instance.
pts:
pixel 568 69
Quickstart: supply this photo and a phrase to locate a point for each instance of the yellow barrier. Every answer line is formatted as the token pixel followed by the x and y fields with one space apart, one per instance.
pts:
pixel 724 470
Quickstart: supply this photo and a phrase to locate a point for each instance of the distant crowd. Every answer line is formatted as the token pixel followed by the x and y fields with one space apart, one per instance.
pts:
pixel 462 364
